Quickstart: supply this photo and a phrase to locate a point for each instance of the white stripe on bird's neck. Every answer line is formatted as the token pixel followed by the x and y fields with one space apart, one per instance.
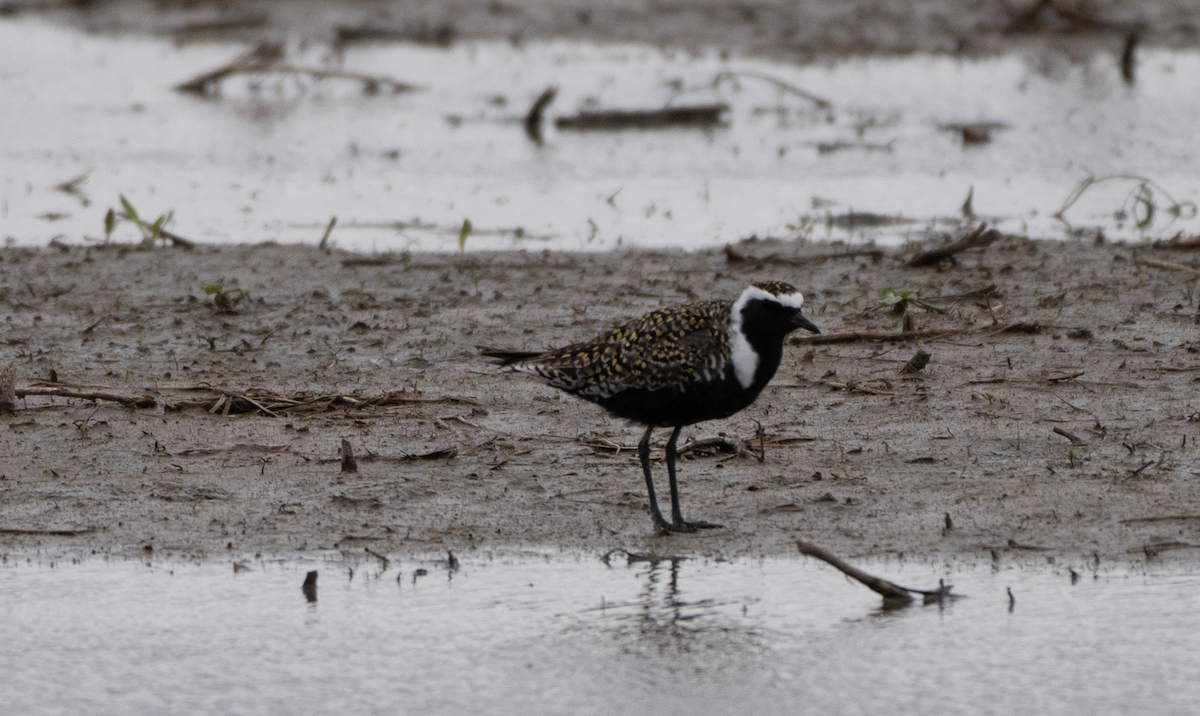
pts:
pixel 743 355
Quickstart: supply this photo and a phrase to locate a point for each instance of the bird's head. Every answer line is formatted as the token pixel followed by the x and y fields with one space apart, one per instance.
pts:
pixel 772 306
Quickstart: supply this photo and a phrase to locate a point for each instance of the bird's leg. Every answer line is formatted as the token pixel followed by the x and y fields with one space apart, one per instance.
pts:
pixel 661 526
pixel 677 522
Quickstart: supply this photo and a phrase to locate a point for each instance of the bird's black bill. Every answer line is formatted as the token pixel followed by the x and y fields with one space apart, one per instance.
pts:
pixel 801 322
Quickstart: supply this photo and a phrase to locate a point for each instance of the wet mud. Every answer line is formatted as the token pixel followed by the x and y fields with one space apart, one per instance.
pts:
pixel 802 30
pixel 1057 412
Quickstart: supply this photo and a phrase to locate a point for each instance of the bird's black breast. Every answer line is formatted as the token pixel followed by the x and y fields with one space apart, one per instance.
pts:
pixel 681 404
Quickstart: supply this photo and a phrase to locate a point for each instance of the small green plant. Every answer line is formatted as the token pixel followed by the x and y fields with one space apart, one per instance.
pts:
pixel 803 229
pixel 151 230
pixel 463 233
pixel 900 300
pixel 225 299
pixel 1071 457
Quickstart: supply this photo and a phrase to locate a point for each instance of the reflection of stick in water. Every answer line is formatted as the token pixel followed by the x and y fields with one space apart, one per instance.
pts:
pixel 263 60
pixel 893 595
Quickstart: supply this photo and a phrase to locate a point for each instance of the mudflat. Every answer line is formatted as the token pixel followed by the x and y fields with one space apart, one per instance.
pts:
pixel 1058 414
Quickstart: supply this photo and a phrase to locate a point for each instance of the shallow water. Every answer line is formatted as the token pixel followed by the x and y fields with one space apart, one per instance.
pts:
pixel 274 159
pixel 571 635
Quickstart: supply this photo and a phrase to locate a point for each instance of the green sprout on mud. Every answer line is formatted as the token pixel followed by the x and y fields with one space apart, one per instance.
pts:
pixel 803 229
pixel 900 300
pixel 151 230
pixel 1071 457
pixel 463 233
pixel 225 299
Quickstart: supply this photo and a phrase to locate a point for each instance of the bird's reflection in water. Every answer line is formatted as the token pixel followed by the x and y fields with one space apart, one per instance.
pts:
pixel 663 620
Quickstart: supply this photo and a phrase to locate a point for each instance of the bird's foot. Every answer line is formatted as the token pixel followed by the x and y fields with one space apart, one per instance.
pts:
pixel 663 528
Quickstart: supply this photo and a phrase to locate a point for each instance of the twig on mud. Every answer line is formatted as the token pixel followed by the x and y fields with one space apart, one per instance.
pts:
pixel 97 323
pixel 129 401
pixel 1153 550
pixel 721 443
pixel 1030 327
pixel 1178 241
pixel 45 533
pixel 277 405
pixel 732 256
pixel 457 418
pixel 863 336
pixel 1075 439
pixel 1160 518
pixel 893 594
pixel 1169 266
pixel 979 237
pixel 598 444
pixel 852 386
pixel 917 363
pixel 349 464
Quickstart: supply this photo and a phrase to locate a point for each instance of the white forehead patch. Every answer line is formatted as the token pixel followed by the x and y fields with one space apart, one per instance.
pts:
pixel 791 300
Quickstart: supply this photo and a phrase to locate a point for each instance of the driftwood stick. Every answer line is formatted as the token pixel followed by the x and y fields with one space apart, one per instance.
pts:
pixel 1178 241
pixel 889 591
pixel 707 115
pixel 1160 518
pixel 732 255
pixel 863 336
pixel 978 238
pixel 893 594
pixel 129 401
pixel 1075 439
pixel 45 533
pixel 1170 266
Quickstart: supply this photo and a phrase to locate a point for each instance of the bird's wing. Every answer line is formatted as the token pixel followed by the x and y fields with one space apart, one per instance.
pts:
pixel 670 347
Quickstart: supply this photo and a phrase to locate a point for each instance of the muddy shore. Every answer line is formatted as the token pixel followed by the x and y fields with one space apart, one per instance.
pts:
pixel 799 30
pixel 1072 434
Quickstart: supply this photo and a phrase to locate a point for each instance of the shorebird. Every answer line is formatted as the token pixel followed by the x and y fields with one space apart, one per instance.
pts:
pixel 675 367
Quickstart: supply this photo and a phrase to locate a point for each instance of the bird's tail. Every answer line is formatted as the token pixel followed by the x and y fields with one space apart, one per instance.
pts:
pixel 498 356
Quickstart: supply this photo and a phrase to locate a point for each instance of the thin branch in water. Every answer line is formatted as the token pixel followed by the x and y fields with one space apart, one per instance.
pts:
pixel 820 102
pixel 893 594
pixel 1177 209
